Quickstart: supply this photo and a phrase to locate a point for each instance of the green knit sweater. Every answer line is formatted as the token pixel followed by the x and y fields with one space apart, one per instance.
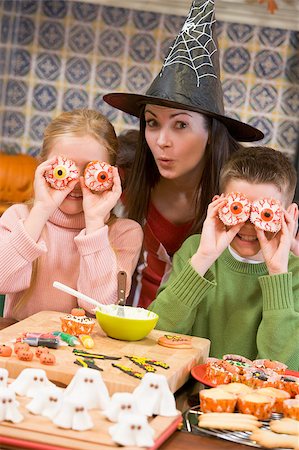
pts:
pixel 237 305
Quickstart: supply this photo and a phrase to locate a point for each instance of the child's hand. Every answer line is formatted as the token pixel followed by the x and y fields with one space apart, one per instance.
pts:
pixel 47 199
pixel 295 241
pixel 215 237
pixel 276 249
pixel 98 205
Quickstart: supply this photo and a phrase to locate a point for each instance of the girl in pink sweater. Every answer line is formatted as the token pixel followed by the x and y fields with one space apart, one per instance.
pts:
pixel 67 235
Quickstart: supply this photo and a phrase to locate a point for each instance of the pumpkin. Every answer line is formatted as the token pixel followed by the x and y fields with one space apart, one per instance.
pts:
pixel 41 350
pixel 25 355
pixel 47 358
pixel 78 312
pixel 21 346
pixel 5 350
pixel 16 179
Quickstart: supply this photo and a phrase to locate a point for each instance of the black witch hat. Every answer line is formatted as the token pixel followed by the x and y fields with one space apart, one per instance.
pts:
pixel 190 76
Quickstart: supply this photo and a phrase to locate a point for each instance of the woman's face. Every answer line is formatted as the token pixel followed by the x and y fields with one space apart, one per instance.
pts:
pixel 81 150
pixel 177 140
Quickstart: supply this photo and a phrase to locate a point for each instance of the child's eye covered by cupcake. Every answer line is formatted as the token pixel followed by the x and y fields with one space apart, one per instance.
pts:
pixel 98 175
pixel 264 213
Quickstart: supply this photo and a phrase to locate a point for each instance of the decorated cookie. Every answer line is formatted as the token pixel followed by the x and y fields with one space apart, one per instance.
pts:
pixel 98 176
pixel 266 214
pixel 236 210
pixel 175 341
pixel 62 172
pixel 128 370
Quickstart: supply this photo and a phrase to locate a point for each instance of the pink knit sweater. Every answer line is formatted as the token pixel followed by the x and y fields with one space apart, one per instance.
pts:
pixel 87 263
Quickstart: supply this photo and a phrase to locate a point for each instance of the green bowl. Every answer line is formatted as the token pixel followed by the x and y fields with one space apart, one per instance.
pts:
pixel 135 325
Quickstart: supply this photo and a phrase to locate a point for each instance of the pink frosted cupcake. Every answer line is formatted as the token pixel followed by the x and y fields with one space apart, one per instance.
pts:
pixel 62 172
pixel 266 214
pixel 98 176
pixel 236 210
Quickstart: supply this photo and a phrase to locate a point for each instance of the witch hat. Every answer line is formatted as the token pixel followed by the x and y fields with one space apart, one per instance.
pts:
pixel 190 76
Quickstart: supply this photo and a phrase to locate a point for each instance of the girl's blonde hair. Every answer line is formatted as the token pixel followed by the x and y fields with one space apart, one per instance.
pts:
pixel 78 123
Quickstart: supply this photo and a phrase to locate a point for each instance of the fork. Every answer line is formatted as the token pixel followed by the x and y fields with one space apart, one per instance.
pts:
pixel 121 293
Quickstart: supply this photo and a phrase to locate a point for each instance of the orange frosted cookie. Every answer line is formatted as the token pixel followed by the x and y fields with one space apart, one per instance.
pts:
pixel 175 341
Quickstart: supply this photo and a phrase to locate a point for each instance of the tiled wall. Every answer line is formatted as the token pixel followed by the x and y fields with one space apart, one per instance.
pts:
pixel 60 55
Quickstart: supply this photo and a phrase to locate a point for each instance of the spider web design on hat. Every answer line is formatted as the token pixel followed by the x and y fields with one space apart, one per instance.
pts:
pixel 194 45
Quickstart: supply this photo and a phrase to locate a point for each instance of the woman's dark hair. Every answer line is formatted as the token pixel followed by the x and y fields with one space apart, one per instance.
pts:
pixel 145 174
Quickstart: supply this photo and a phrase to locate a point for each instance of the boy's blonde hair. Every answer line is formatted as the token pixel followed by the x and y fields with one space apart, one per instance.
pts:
pixel 261 165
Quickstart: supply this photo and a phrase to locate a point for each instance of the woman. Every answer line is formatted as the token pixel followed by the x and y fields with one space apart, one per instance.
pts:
pixel 184 140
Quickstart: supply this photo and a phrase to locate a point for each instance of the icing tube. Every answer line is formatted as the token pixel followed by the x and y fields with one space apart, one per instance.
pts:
pixel 68 338
pixel 86 340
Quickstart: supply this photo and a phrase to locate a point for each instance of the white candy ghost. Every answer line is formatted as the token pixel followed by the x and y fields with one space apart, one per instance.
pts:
pixel 9 406
pixel 153 396
pixel 3 377
pixel 73 415
pixel 88 385
pixel 132 430
pixel 30 381
pixel 46 402
pixel 121 403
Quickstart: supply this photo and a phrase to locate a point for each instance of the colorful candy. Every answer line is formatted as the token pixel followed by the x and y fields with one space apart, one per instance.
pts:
pixel 98 176
pixel 62 172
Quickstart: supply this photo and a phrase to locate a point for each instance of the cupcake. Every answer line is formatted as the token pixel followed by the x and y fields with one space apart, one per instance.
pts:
pixel 290 384
pixel 98 176
pixel 277 394
pixel 291 408
pixel 217 400
pixel 259 405
pixel 236 209
pixel 236 388
pixel 266 214
pixel 276 366
pixel 77 324
pixel 61 173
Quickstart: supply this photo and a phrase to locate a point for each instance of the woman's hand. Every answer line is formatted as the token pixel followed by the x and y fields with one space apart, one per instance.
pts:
pixel 215 237
pixel 98 205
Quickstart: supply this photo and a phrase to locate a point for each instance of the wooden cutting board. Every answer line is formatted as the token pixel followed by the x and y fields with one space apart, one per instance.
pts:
pixel 180 361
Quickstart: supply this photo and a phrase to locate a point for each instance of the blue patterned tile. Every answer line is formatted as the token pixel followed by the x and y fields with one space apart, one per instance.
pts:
pixel 111 43
pixel 51 35
pixel 13 124
pixel 116 17
pixel 44 97
pixel 165 47
pixel 272 37
pixel 8 5
pixel 81 39
pixel 130 120
pixel 23 30
pixel 108 74
pixel 287 133
pixel 263 97
pixel 16 93
pixel 142 48
pixel 138 78
pixel 240 33
pixel 294 39
pixel 77 70
pixel 265 125
pixel 232 114
pixel 234 92
pixel 20 62
pixel 10 147
pixel 236 60
pixel 5 31
pixel 108 111
pixel 75 99
pixel 3 56
pixel 85 12
pixel 38 123
pixel 28 6
pixel 268 64
pixel 48 66
pixel 219 27
pixel 145 20
pixel 292 69
pixel 290 101
pixel 173 23
pixel 34 150
pixel 54 8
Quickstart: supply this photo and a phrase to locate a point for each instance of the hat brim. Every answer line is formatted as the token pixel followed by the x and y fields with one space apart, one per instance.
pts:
pixel 133 104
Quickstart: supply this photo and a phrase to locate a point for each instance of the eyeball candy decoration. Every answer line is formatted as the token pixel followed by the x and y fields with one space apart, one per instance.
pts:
pixel 98 176
pixel 236 210
pixel 266 214
pixel 62 172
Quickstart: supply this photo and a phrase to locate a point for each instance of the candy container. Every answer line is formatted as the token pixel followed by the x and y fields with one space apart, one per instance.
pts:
pixel 98 176
pixel 236 210
pixel 62 172
pixel 266 214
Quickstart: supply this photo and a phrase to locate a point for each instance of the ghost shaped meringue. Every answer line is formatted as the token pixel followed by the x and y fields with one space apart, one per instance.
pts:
pixel 132 430
pixel 153 396
pixel 30 381
pixel 3 377
pixel 9 406
pixel 88 385
pixel 46 402
pixel 72 414
pixel 61 173
pixel 98 176
pixel 121 403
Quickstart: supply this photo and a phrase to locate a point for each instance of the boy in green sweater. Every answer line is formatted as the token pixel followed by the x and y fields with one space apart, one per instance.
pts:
pixel 239 286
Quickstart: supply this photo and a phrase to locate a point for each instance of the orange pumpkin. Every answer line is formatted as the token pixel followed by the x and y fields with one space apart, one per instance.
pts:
pixel 78 312
pixel 25 355
pixel 16 179
pixel 21 346
pixel 5 350
pixel 47 358
pixel 41 350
